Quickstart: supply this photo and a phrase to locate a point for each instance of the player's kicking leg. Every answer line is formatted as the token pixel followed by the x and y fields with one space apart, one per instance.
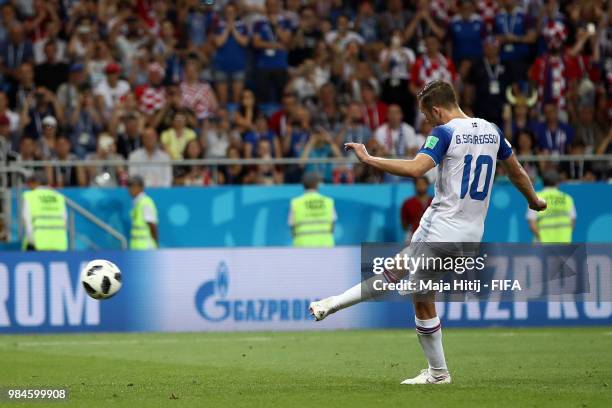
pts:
pixel 429 332
pixel 428 326
pixel 359 293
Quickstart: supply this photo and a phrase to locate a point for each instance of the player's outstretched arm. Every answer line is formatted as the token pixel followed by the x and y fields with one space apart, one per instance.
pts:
pixel 519 177
pixel 416 167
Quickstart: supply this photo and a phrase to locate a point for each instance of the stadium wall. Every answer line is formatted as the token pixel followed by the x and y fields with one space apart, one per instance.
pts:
pixel 257 215
pixel 235 289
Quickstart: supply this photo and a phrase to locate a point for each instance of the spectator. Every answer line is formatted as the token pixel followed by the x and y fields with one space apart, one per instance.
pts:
pixel 27 151
pixel 322 59
pixel 150 162
pixel 51 73
pixel 271 39
pixel 247 112
pixel 422 25
pixel 590 133
pixel 555 71
pixel 327 113
pixel 176 138
pixel 340 38
pixel 128 39
pixel 396 63
pixel 105 175
pixel 395 18
pixel 197 95
pixel 374 111
pixel 7 17
pixel 64 175
pixel 138 71
pixel 21 94
pixel 398 138
pixel 194 175
pixel 130 138
pixel 151 96
pixel 200 20
pixel 234 173
pixel 320 146
pixel 43 104
pixel 281 118
pixel 577 169
pixel 354 130
pixel 362 74
pixel 431 65
pixel 518 118
pixel 15 51
pixel 97 64
pixel 515 31
pixel 413 208
pixel 51 33
pixel 231 39
pixel 69 92
pixel 267 173
pixel 526 145
pixel 218 135
pixel 5 140
pixel 305 38
pixel 163 118
pixel 12 116
pixel 261 132
pixel 81 44
pixel 297 133
pixel 46 142
pixel 86 123
pixel 291 11
pixel 467 30
pixel 307 81
pixel 489 78
pixel 367 24
pixel 110 90
pixel 554 136
pixel 606 148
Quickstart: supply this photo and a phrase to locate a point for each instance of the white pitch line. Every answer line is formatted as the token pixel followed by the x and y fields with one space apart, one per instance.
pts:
pixel 133 341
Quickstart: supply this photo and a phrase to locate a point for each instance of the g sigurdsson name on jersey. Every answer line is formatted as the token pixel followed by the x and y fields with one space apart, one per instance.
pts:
pixel 477 139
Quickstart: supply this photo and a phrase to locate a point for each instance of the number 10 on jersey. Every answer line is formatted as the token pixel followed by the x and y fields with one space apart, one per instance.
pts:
pixel 473 186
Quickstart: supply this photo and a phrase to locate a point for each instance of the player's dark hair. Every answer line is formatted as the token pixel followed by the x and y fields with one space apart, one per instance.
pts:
pixel 437 93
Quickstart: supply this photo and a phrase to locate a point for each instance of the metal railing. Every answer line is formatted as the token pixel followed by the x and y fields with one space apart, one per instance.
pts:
pixel 273 161
pixel 13 174
pixel 71 204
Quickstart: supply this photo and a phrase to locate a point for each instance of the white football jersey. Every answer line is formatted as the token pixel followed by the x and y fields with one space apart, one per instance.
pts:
pixel 465 151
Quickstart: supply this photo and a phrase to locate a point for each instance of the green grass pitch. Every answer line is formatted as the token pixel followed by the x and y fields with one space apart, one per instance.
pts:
pixel 558 367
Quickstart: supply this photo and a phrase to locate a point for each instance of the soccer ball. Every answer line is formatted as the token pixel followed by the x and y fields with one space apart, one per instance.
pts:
pixel 101 279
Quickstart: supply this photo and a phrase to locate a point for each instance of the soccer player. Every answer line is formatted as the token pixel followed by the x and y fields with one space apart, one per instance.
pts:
pixel 465 150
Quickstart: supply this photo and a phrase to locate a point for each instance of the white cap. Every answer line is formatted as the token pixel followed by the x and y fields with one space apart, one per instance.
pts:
pixel 49 121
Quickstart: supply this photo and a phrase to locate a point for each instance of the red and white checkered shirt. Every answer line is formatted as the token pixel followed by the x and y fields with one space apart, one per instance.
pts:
pixel 552 74
pixel 440 10
pixel 199 97
pixel 426 69
pixel 488 10
pixel 150 99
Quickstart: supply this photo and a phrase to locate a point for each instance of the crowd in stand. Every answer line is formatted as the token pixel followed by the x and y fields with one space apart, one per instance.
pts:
pixel 153 80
